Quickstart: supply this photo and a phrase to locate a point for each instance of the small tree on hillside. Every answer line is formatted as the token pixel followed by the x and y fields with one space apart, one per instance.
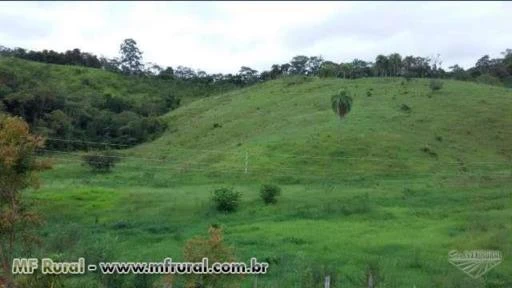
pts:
pixel 269 193
pixel 215 250
pixel 17 167
pixel 341 103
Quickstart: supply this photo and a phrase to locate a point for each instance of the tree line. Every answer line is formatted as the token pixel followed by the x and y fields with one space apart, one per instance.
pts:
pixel 495 71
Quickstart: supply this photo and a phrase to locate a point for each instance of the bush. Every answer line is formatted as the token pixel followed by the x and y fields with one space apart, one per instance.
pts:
pixel 101 161
pixel 436 84
pixel 488 79
pixel 269 193
pixel 226 200
pixel 405 108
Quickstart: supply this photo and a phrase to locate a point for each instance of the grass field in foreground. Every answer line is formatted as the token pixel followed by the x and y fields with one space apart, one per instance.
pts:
pixel 389 185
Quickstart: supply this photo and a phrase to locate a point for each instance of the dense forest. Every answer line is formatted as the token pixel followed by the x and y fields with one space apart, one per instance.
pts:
pixel 118 100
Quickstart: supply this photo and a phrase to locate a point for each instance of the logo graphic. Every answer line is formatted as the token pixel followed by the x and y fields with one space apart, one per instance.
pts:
pixel 475 263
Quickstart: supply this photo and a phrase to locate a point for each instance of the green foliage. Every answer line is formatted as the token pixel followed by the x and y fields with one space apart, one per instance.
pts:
pixel 488 79
pixel 341 103
pixel 435 84
pixel 131 57
pixel 93 105
pixel 102 161
pixel 226 200
pixel 405 108
pixel 269 193
pixel 18 168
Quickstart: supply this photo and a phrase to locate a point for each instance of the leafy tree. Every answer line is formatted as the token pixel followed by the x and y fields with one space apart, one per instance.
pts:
pixel 507 60
pixel 395 64
pixel 167 73
pixel 185 73
pixel 416 66
pixel 329 69
pixel 131 58
pixel 361 68
pixel 116 104
pixel 435 64
pixel 483 64
pixel 265 76
pixel 248 75
pixel 17 172
pixel 459 73
pixel 341 103
pixel 313 65
pixel 60 124
pixel 382 65
pixel 286 69
pixel 153 69
pixel 275 71
pixel 298 65
pixel 111 65
pixel 346 69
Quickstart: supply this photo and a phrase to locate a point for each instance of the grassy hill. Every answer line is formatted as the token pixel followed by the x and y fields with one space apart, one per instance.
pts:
pixel 406 177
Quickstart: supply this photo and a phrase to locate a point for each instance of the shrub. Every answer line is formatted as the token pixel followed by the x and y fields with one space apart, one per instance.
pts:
pixel 226 200
pixel 216 250
pixel 269 193
pixel 405 108
pixel 488 79
pixel 436 84
pixel 101 161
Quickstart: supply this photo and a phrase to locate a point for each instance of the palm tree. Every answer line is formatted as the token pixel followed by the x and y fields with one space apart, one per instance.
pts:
pixel 341 103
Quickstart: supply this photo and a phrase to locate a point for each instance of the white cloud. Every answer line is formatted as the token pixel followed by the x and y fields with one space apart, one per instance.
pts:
pixel 222 36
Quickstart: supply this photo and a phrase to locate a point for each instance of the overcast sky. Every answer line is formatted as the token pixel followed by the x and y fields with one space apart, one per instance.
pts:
pixel 222 36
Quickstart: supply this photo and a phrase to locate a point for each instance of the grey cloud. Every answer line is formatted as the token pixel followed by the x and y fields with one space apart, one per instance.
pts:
pixel 449 29
pixel 21 28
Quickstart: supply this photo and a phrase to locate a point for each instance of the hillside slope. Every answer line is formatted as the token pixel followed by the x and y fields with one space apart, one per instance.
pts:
pixel 395 128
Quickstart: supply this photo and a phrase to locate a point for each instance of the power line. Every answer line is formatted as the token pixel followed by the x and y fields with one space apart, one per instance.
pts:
pixel 284 155
pixel 309 175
